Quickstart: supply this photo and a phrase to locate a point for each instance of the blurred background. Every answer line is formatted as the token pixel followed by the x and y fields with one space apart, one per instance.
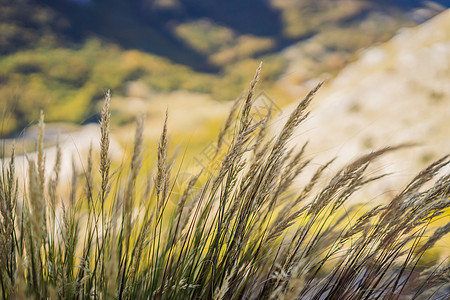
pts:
pixel 387 65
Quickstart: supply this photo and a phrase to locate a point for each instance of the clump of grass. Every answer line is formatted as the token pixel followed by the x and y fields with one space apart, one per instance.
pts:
pixel 241 231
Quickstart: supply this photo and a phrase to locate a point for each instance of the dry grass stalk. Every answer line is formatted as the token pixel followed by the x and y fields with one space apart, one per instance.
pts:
pixel 222 242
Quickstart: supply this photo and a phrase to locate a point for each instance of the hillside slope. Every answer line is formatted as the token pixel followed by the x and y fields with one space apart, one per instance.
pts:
pixel 394 93
pixel 61 55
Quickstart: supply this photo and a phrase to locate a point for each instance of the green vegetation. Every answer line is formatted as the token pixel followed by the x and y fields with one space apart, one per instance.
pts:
pixel 60 56
pixel 66 83
pixel 240 229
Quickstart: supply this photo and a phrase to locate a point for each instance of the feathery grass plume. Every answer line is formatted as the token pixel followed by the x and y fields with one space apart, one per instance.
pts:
pixel 256 164
pixel 249 233
pixel 12 171
pixel 35 228
pixel 105 160
pixel 258 155
pixel 296 117
pixel 248 102
pixel 42 220
pixel 161 179
pixel 422 207
pixel 347 180
pixel 36 202
pixel 98 215
pixel 278 151
pixel 397 206
pixel 426 175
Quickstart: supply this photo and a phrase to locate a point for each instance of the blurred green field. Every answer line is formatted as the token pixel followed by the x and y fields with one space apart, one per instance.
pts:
pixel 61 57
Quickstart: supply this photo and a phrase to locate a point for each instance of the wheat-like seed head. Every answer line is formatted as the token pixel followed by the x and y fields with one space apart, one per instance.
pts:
pixel 245 114
pixel 105 160
pixel 162 180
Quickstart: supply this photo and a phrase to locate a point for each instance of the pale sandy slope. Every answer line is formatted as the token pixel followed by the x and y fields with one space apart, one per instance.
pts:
pixel 397 92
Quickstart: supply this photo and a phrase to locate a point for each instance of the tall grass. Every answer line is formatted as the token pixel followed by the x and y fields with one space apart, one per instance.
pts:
pixel 242 231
